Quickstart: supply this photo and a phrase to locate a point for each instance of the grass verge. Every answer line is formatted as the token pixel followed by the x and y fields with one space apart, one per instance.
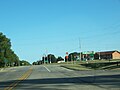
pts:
pixel 76 67
pixel 93 65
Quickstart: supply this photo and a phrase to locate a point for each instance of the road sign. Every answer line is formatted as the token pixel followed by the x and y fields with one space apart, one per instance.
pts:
pixel 66 57
pixel 66 53
pixel 88 52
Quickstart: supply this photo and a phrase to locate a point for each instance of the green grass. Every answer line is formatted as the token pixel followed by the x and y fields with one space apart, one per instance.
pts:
pixel 111 67
pixel 103 64
pixel 75 67
pixel 92 65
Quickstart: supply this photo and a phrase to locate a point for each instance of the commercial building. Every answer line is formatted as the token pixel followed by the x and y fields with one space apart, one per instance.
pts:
pixel 87 55
pixel 107 55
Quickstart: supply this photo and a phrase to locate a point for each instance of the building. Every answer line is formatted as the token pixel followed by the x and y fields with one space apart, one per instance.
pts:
pixel 87 55
pixel 107 55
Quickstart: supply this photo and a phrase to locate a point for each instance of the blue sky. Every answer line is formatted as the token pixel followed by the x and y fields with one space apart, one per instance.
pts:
pixel 36 27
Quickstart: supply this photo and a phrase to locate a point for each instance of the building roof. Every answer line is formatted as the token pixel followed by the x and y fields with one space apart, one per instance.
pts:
pixel 107 52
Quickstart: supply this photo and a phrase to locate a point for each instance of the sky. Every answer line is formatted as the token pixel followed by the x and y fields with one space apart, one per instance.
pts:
pixel 38 27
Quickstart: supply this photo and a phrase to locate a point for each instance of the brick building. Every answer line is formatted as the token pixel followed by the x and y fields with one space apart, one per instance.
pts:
pixel 107 55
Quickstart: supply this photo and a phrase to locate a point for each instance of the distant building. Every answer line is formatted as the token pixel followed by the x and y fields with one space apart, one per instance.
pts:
pixel 87 55
pixel 107 55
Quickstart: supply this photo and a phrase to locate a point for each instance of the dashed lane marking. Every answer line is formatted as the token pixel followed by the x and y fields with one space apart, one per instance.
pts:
pixel 47 69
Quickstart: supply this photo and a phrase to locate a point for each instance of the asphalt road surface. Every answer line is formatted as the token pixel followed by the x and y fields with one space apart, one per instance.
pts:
pixel 54 77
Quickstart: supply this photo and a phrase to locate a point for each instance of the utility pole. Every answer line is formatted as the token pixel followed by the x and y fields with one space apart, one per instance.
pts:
pixel 50 58
pixel 47 55
pixel 99 55
pixel 67 57
pixel 80 48
pixel 18 62
pixel 44 57
pixel 72 59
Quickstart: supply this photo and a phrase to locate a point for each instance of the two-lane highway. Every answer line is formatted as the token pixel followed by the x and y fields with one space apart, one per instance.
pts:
pixel 10 76
pixel 54 77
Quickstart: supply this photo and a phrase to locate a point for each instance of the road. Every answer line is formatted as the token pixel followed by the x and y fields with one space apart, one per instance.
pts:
pixel 54 77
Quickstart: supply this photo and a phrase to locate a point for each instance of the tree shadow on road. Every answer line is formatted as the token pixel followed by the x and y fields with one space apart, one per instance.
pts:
pixel 110 81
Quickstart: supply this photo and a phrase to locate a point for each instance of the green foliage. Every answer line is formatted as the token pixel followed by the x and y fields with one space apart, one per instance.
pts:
pixel 7 55
pixel 52 58
pixel 24 63
pixel 60 59
pixel 34 63
pixel 72 56
pixel 49 59
pixel 102 65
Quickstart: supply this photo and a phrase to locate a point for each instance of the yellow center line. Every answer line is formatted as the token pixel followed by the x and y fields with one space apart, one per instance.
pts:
pixel 23 77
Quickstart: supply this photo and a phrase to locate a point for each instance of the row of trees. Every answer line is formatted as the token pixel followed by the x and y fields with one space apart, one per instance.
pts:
pixel 7 55
pixel 24 63
pixel 50 58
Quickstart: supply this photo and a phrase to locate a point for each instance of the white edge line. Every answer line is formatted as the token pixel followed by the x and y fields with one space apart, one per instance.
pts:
pixel 47 69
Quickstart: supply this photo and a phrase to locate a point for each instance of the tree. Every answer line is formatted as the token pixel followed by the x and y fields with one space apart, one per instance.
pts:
pixel 49 58
pixel 52 58
pixel 24 63
pixel 34 63
pixel 60 59
pixel 7 55
pixel 73 56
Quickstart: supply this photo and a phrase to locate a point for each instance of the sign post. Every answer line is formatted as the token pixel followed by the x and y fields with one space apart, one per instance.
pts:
pixel 67 57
